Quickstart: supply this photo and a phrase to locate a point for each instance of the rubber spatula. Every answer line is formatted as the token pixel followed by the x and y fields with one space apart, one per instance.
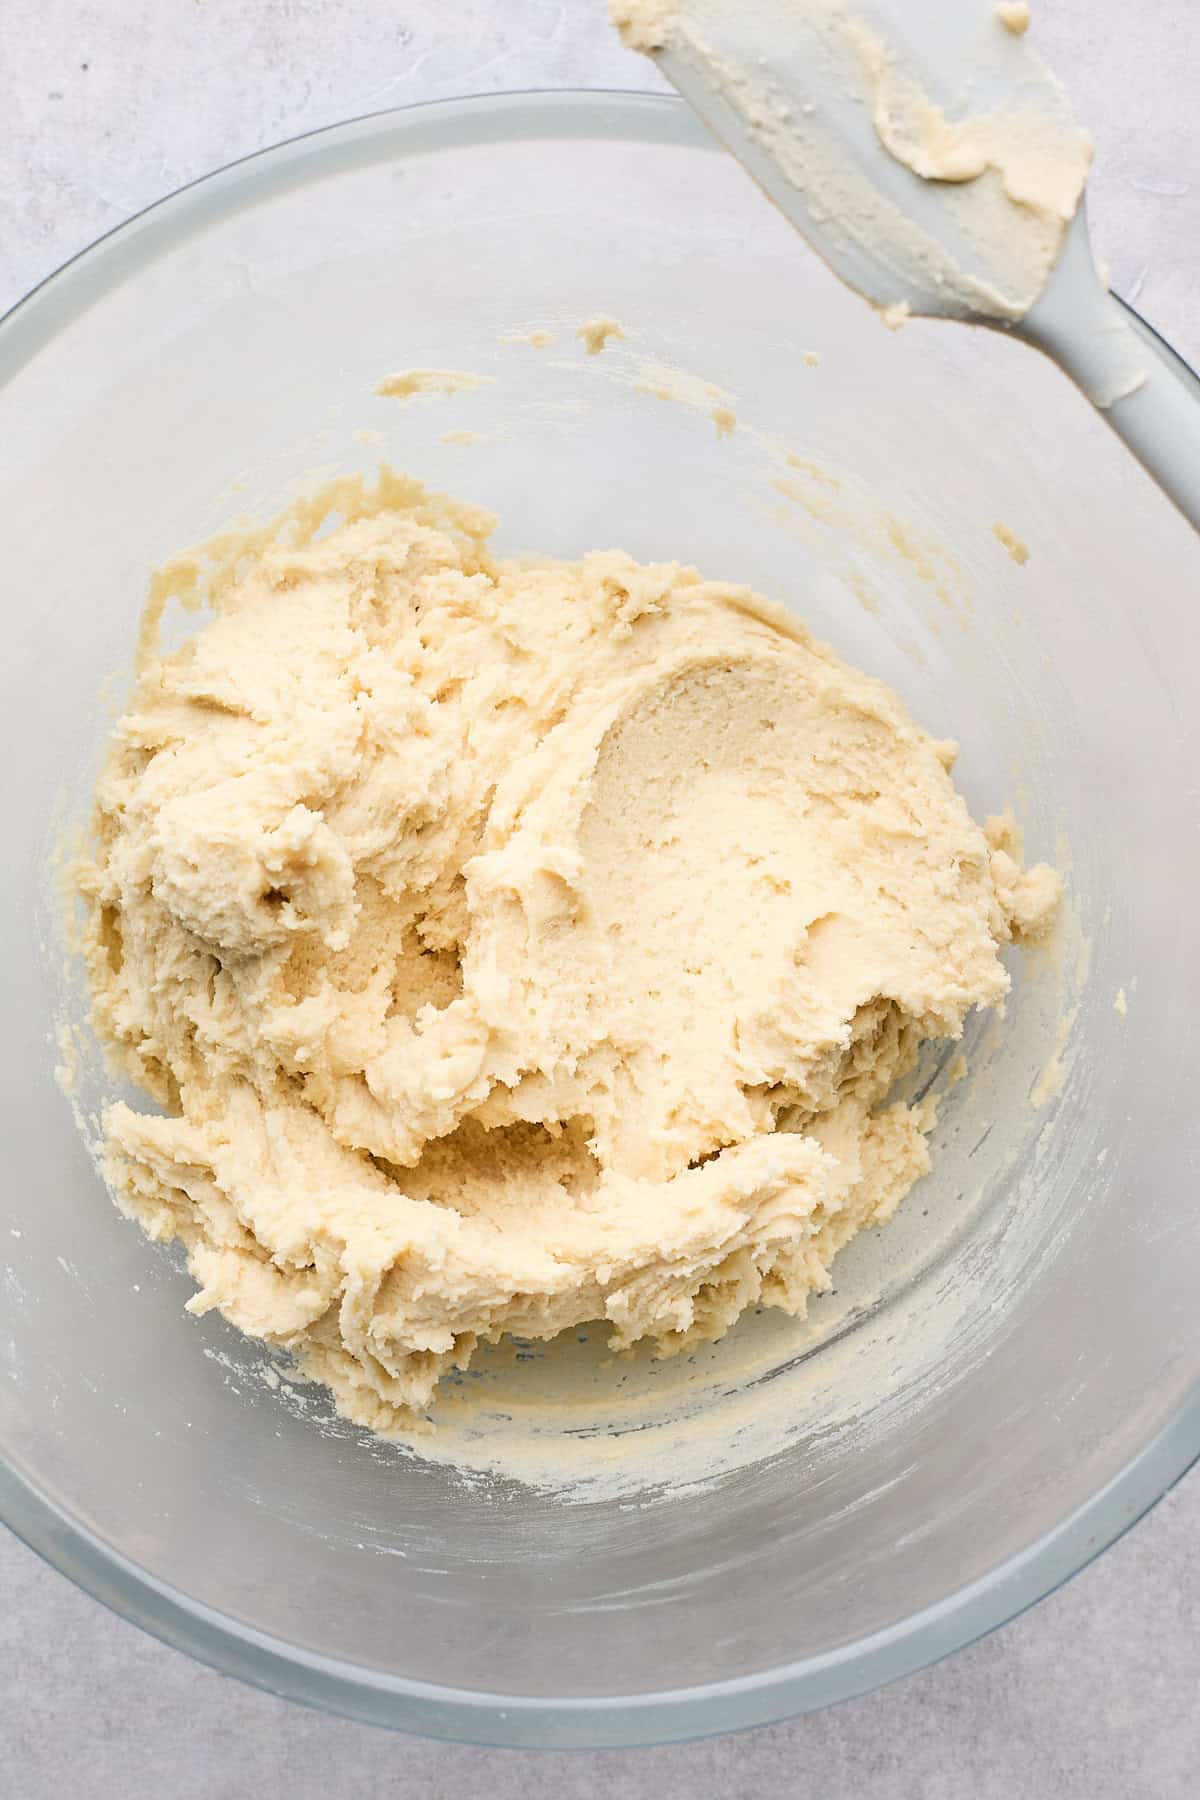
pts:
pixel 927 154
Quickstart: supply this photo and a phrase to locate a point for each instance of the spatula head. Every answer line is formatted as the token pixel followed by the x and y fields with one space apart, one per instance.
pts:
pixel 919 145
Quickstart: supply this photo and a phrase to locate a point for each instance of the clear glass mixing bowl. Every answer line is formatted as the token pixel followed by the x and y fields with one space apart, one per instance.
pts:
pixel 1008 1374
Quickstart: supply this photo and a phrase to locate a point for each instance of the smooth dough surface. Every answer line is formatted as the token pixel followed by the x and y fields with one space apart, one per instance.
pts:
pixel 512 945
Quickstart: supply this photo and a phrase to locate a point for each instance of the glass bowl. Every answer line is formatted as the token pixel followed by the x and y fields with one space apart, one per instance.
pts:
pixel 1006 1376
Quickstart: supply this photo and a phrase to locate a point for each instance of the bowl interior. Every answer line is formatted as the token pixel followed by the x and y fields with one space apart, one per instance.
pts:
pixel 808 1507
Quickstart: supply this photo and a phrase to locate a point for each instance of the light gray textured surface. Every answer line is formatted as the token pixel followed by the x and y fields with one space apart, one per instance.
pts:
pixel 109 104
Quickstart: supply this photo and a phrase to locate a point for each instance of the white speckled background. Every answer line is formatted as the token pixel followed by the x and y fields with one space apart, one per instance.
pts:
pixel 1095 1695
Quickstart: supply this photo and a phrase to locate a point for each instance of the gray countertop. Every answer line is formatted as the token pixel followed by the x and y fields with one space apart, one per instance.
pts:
pixel 1095 1695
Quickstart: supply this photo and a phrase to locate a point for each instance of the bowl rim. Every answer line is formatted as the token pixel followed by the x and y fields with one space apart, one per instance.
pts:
pixel 335 1684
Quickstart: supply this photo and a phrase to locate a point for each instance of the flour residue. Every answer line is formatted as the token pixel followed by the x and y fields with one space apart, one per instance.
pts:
pixel 598 331
pixel 407 382
pixel 1014 15
pixel 1017 548
pixel 1049 1083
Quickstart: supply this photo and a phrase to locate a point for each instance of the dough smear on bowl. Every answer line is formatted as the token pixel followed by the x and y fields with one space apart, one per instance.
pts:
pixel 515 944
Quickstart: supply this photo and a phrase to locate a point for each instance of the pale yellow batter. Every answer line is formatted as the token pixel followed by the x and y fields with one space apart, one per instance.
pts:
pixel 517 945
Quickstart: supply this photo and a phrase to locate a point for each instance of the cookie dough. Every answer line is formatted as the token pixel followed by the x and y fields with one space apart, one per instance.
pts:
pixel 516 944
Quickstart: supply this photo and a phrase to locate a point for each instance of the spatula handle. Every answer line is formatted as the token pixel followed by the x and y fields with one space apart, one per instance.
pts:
pixel 1148 394
pixel 1160 421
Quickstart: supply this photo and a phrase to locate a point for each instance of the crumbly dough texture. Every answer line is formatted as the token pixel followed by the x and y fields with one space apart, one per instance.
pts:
pixel 512 945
